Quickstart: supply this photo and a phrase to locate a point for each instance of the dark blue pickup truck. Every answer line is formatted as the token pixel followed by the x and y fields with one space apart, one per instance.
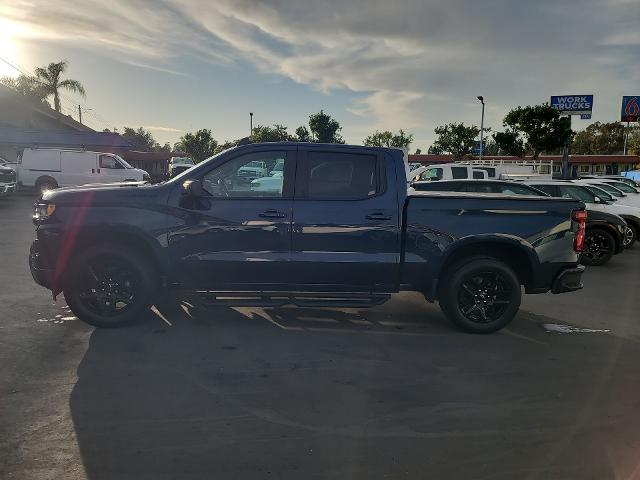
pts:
pixel 328 225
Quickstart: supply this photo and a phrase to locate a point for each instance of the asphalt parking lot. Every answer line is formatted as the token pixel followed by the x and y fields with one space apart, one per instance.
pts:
pixel 250 393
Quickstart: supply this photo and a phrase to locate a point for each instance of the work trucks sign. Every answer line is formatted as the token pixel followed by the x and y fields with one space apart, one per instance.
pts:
pixel 573 104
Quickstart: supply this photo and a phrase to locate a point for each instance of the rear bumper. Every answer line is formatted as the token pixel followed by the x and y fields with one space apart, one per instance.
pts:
pixel 42 276
pixel 568 280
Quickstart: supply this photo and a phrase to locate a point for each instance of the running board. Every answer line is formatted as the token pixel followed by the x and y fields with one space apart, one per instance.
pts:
pixel 277 299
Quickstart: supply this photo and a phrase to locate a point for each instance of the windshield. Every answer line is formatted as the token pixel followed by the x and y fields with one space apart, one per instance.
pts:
pixel 121 160
pixel 577 192
pixel 600 193
pixel 431 174
pixel 623 187
pixel 612 190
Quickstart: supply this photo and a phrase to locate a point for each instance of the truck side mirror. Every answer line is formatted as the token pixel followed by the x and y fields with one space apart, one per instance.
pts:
pixel 193 188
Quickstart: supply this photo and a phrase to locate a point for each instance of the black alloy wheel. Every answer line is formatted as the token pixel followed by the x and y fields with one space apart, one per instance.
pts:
pixel 484 296
pixel 108 286
pixel 630 236
pixel 480 294
pixel 599 246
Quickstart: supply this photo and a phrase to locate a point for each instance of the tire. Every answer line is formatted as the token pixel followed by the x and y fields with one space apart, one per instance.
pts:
pixel 631 235
pixel 480 294
pixel 45 183
pixel 599 246
pixel 109 286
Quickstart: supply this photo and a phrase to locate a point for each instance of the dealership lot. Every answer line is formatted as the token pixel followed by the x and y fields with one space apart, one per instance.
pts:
pixel 391 392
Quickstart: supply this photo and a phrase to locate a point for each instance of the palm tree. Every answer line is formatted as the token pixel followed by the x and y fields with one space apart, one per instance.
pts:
pixel 50 79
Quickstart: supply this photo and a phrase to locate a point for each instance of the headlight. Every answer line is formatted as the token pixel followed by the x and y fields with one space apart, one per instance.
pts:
pixel 43 211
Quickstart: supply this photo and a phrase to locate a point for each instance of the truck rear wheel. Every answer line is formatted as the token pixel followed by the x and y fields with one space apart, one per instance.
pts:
pixel 108 286
pixel 480 294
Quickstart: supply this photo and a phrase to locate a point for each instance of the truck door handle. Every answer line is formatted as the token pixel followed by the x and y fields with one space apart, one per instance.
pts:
pixel 272 214
pixel 378 216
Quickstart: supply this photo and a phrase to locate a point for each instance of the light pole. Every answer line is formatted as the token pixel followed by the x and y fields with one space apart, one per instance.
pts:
pixel 250 124
pixel 481 98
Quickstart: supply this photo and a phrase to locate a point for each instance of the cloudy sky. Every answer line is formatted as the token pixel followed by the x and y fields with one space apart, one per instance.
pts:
pixel 179 65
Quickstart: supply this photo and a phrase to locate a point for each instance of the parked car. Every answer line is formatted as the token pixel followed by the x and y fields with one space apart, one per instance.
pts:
pixel 605 231
pixel 177 165
pixel 253 169
pixel 625 195
pixel 46 169
pixel 342 231
pixel 593 201
pixel 272 183
pixel 617 178
pixel 478 186
pixel 8 178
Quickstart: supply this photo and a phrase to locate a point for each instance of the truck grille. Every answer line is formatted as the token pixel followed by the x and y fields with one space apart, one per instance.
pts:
pixel 7 177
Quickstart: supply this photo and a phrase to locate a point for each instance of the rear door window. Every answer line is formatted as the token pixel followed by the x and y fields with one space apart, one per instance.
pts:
pixel 459 172
pixel 338 176
pixel 477 175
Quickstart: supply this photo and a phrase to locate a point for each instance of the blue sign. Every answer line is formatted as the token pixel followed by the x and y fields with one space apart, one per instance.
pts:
pixel 476 148
pixel 573 104
pixel 585 116
pixel 630 109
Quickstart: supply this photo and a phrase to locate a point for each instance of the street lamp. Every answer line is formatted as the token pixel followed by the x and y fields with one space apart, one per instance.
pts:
pixel 481 98
pixel 250 124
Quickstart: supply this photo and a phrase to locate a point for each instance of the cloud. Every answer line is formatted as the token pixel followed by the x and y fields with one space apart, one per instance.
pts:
pixel 412 63
pixel 162 129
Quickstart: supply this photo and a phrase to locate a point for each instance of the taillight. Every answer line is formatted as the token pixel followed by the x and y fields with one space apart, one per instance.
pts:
pixel 579 216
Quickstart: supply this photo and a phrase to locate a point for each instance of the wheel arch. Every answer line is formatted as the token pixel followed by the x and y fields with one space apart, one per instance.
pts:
pixel 609 229
pixel 128 238
pixel 515 253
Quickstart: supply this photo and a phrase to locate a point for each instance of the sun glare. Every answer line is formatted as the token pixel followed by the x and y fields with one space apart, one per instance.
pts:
pixel 8 48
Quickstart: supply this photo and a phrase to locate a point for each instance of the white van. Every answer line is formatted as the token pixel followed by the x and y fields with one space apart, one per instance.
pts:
pixel 47 168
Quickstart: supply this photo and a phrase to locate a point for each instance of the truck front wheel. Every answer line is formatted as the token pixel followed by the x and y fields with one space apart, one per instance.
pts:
pixel 480 294
pixel 109 286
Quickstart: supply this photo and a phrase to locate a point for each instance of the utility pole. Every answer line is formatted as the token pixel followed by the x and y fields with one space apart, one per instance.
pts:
pixel 565 155
pixel 80 113
pixel 481 98
pixel 250 124
pixel 626 139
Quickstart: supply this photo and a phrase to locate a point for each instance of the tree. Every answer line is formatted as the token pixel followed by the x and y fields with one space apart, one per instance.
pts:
pixel 508 143
pixel 302 134
pixel 435 150
pixel 27 86
pixel 324 128
pixel 388 139
pixel 417 152
pixel 49 78
pixel 264 133
pixel 140 138
pixel 599 139
pixel 456 139
pixel 199 145
pixel 225 146
pixel 633 143
pixel 543 128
